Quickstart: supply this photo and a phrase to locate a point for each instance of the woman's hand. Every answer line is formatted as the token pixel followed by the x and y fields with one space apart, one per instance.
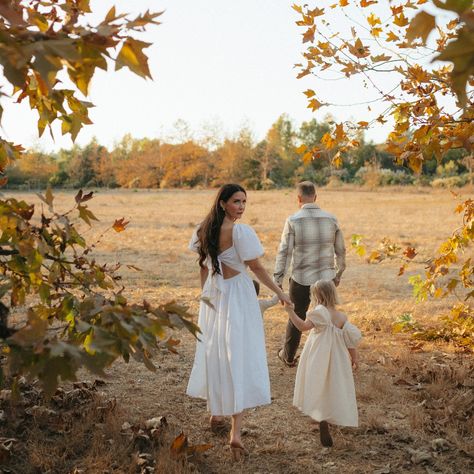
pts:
pixel 284 299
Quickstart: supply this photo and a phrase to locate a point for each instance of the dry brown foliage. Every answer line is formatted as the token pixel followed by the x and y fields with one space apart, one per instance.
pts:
pixel 415 399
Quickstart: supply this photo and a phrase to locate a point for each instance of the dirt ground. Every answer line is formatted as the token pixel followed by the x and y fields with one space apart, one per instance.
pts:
pixel 415 400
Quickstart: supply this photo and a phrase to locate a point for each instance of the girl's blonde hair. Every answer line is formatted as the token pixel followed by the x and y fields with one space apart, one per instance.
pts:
pixel 324 292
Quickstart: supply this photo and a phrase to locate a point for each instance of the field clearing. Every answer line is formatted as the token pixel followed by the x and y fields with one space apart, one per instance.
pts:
pixel 407 398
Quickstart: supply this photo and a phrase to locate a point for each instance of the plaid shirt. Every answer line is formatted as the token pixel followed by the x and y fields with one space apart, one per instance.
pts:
pixel 313 243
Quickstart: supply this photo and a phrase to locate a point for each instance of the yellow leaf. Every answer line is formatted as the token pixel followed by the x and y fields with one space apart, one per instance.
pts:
pixel 337 160
pixel 373 20
pixel 307 157
pixel 314 105
pixel 316 12
pixel 400 20
pixel 363 124
pixel 131 55
pixel 328 141
pixel 309 93
pixel 366 3
pixel 379 58
pixel 343 3
pixel 376 32
pixel 297 8
pixel 110 15
pixel 301 149
pixel 392 36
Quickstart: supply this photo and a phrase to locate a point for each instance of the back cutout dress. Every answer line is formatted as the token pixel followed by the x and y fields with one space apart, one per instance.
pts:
pixel 230 366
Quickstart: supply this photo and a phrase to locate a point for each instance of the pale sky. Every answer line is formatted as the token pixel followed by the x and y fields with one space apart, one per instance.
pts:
pixel 213 61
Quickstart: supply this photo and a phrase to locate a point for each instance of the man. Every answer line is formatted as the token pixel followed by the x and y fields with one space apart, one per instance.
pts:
pixel 312 241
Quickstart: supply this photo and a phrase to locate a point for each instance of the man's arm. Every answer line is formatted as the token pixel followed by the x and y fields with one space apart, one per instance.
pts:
pixel 340 251
pixel 284 254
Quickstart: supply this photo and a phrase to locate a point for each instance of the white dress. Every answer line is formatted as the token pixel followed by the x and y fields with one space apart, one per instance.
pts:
pixel 230 366
pixel 324 387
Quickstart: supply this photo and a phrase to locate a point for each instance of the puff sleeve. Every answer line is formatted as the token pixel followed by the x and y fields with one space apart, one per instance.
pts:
pixel 319 317
pixel 194 242
pixel 351 334
pixel 246 243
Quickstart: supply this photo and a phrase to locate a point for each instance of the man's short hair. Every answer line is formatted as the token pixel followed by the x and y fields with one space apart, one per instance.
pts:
pixel 306 188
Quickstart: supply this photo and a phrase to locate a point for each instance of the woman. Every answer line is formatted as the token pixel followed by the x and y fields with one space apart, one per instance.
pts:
pixel 230 366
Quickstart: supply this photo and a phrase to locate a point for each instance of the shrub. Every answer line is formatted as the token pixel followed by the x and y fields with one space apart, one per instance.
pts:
pixel 451 182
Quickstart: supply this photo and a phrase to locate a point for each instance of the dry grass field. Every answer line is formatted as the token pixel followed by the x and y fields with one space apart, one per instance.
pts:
pixel 415 401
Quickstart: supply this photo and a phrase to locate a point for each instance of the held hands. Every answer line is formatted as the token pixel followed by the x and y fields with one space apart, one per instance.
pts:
pixel 289 306
pixel 284 298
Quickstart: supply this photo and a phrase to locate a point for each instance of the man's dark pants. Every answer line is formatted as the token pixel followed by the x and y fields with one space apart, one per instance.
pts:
pixel 301 298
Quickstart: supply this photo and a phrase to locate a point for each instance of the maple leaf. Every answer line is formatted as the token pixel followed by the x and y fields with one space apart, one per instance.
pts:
pixel 366 3
pixel 309 34
pixel 410 253
pixel 460 52
pixel 379 58
pixel 131 55
pixel 328 141
pixel 400 20
pixel 120 224
pixel 421 26
pixel 373 20
pixel 376 32
pixel 392 36
pixel 358 49
pixel 314 104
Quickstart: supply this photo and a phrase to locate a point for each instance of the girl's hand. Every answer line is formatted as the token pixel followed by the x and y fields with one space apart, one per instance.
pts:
pixel 355 363
pixel 284 299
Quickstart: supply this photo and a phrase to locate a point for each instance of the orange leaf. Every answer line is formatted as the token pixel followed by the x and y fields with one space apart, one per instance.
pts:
pixel 409 252
pixel 179 445
pixel 301 149
pixel 366 3
pixel 309 34
pixel 120 224
pixel 328 141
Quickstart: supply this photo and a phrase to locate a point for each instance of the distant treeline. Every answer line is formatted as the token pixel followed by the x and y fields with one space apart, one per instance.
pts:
pixel 272 162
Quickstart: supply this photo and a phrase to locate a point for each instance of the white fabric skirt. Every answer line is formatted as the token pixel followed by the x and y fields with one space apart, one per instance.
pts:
pixel 230 367
pixel 324 386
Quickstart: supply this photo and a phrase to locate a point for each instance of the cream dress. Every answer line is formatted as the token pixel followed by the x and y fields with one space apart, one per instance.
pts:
pixel 230 366
pixel 324 387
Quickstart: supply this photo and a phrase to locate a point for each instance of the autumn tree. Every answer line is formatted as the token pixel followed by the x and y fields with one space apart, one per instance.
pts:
pixel 34 170
pixel 417 57
pixel 76 313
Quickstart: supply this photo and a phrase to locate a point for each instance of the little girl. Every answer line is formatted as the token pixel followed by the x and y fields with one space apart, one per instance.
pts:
pixel 324 387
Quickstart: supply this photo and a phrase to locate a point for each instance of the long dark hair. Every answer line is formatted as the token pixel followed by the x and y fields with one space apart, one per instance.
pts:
pixel 210 228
